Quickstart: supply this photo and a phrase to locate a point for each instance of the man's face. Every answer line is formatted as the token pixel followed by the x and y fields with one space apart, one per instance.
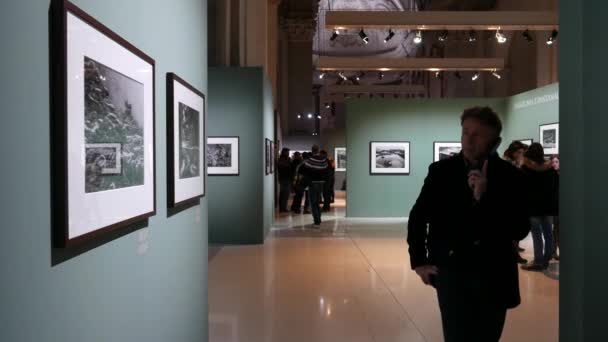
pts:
pixel 477 140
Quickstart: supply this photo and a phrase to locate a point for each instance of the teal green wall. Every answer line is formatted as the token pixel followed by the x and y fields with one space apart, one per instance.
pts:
pixel 240 104
pixel 268 132
pixel 330 139
pixel 524 113
pixel 110 293
pixel 421 122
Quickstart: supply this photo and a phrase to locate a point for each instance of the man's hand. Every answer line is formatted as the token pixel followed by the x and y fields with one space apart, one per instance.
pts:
pixel 425 272
pixel 478 181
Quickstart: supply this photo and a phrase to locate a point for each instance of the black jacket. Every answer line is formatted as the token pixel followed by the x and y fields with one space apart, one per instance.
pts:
pixel 542 188
pixel 464 233
pixel 284 169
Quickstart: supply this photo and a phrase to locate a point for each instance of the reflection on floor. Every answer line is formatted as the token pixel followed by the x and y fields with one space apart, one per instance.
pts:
pixel 349 281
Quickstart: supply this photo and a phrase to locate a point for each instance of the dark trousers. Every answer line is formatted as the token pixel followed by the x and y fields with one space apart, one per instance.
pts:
pixel 469 313
pixel 326 196
pixel 296 203
pixel 314 193
pixel 285 189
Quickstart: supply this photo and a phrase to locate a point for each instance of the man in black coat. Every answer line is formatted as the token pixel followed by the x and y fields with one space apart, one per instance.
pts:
pixel 461 232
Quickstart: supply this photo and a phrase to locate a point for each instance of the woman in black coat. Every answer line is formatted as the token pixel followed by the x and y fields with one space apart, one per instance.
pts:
pixel 541 181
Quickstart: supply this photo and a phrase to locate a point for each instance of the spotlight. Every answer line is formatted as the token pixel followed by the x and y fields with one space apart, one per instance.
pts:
pixel 342 76
pixel 500 37
pixel 475 76
pixel 364 37
pixel 319 117
pixel 327 106
pixel 334 35
pixel 495 74
pixel 437 74
pixel 458 75
pixel 380 75
pixel 309 115
pixel 299 116
pixel 552 38
pixel 527 36
pixel 321 75
pixel 358 78
pixel 390 36
pixel 418 37
pixel 443 36
pixel 472 36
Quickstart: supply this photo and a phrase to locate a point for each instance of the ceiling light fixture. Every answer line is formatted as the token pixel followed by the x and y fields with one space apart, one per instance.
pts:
pixel 527 36
pixel 299 116
pixel 334 35
pixel 390 36
pixel 309 115
pixel 380 75
pixel 500 37
pixel 319 117
pixel 496 74
pixel 437 74
pixel 321 75
pixel 327 106
pixel 364 37
pixel 475 76
pixel 443 36
pixel 552 38
pixel 418 37
pixel 472 36
pixel 458 75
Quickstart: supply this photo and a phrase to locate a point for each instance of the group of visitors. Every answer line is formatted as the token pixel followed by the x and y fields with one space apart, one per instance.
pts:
pixel 309 175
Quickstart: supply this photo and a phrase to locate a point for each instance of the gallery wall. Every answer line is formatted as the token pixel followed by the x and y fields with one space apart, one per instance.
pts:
pixel 330 139
pixel 240 207
pixel 421 122
pixel 524 113
pixel 150 285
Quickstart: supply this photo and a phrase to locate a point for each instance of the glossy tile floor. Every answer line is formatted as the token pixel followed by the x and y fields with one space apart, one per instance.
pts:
pixel 350 281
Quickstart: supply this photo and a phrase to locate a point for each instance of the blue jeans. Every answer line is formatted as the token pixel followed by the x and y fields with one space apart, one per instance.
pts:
pixel 542 227
pixel 314 194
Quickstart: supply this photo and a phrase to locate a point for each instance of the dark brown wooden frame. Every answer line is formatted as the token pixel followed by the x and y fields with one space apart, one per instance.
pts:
pixel 443 142
pixel 238 142
pixel 388 174
pixel 59 120
pixel 171 77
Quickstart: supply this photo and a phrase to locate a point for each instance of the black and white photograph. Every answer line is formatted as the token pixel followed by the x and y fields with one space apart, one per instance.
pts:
pixel 223 156
pixel 445 150
pixel 549 138
pixel 102 129
pixel 340 158
pixel 185 143
pixel 389 157
pixel 113 115
pixel 189 142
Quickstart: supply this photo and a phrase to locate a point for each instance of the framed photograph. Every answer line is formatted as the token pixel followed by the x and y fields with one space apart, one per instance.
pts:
pixel 340 155
pixel 267 154
pixel 526 142
pixel 549 138
pixel 272 156
pixel 102 128
pixel 185 142
pixel 223 156
pixel 445 150
pixel 389 158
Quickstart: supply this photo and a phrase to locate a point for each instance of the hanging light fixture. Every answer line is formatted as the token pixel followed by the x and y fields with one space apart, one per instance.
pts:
pixel 496 74
pixel 552 38
pixel 364 37
pixel 321 75
pixel 380 75
pixel 390 36
pixel 472 36
pixel 527 36
pixel 443 36
pixel 500 37
pixel 475 76
pixel 334 35
pixel 418 37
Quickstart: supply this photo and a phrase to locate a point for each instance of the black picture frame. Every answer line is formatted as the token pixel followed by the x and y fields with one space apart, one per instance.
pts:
pixel 172 197
pixel 267 155
pixel 61 184
pixel 407 160
pixel 541 128
pixel 238 159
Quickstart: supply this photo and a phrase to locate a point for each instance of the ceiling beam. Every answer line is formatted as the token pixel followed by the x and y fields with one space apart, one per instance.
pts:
pixel 443 20
pixel 428 64
pixel 375 89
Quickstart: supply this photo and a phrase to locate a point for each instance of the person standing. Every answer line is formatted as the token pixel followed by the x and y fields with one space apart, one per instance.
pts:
pixel 327 184
pixel 316 169
pixel 299 183
pixel 541 183
pixel 459 240
pixel 555 164
pixel 285 179
pixel 515 155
